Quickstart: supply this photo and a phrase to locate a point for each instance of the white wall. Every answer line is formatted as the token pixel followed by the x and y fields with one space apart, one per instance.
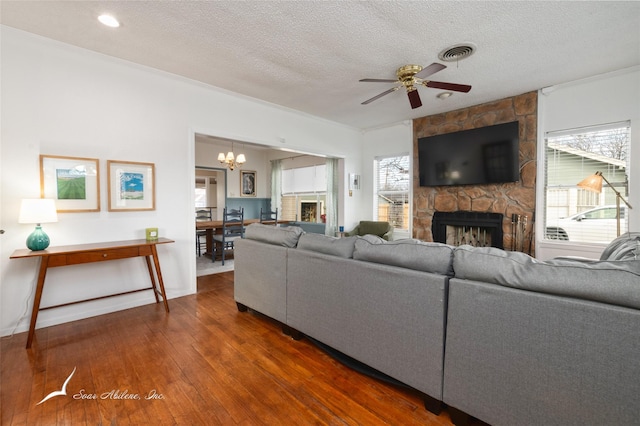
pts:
pixel 61 100
pixel 601 99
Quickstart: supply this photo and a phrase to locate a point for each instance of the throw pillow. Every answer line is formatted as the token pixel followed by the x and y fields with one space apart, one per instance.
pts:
pixel 625 247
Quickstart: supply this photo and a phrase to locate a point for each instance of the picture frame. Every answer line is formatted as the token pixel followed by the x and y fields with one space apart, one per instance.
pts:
pixel 247 183
pixel 73 182
pixel 131 186
pixel 354 181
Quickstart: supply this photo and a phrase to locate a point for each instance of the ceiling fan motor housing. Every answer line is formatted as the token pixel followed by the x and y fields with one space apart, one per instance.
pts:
pixel 405 74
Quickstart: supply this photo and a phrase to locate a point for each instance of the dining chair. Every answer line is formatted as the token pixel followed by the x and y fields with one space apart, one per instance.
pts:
pixel 269 216
pixel 203 214
pixel 232 229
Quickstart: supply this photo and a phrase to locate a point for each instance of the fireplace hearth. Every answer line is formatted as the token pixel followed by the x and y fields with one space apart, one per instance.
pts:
pixel 464 227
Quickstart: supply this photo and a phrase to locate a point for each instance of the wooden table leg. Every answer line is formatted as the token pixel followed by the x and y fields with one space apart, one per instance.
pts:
pixel 209 239
pixel 153 280
pixel 156 261
pixel 44 262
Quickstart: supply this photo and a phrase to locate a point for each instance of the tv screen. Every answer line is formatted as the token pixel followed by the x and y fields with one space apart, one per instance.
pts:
pixel 470 157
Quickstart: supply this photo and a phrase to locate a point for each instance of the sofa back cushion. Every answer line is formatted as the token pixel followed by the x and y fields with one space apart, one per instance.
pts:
pixel 279 236
pixel 411 254
pixel 342 247
pixel 614 282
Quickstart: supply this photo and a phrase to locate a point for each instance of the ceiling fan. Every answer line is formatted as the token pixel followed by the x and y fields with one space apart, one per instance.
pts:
pixel 410 76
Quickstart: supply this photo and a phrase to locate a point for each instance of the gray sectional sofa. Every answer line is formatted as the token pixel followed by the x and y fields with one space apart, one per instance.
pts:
pixel 491 334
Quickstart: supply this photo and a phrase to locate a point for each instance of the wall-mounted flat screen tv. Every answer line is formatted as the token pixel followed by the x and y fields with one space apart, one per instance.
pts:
pixel 470 157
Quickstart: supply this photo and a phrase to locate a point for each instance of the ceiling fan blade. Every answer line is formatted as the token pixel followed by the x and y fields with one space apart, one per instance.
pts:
pixel 414 99
pixel 431 69
pixel 448 86
pixel 378 80
pixel 386 92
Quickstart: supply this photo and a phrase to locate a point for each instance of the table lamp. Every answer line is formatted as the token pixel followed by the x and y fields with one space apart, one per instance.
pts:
pixel 594 183
pixel 38 210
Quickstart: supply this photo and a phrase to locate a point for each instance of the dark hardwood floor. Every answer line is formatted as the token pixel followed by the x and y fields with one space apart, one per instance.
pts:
pixel 204 363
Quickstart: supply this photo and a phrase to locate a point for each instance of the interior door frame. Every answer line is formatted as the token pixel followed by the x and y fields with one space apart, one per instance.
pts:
pixel 217 169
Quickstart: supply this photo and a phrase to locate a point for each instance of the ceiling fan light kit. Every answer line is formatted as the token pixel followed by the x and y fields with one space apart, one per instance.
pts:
pixel 410 76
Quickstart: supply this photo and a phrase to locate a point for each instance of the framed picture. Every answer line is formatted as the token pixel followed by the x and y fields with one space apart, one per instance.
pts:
pixel 74 182
pixel 247 183
pixel 131 186
pixel 354 181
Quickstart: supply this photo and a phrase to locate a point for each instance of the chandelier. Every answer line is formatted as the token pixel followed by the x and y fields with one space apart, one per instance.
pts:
pixel 230 159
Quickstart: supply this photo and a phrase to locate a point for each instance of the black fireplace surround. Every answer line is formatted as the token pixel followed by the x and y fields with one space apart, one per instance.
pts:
pixel 491 222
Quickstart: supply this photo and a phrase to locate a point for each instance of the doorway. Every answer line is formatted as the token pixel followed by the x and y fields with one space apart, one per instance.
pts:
pixel 211 190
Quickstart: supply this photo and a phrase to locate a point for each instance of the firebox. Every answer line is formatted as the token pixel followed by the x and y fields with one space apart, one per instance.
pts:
pixel 472 228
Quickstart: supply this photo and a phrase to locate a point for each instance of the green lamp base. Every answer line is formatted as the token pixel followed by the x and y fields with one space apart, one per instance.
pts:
pixel 38 240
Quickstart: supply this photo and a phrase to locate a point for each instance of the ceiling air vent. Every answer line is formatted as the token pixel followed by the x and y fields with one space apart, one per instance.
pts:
pixel 457 52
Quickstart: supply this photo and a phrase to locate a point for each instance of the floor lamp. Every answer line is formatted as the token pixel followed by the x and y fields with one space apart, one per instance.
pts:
pixel 594 183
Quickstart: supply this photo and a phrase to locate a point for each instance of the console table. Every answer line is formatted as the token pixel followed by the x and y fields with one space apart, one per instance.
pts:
pixel 89 253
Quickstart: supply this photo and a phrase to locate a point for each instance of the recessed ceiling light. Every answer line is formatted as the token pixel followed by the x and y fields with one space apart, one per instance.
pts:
pixel 109 21
pixel 444 95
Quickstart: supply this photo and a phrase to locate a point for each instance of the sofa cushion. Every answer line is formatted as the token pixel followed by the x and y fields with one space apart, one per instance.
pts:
pixel 625 247
pixel 411 254
pixel 373 239
pixel 279 236
pixel 615 282
pixel 342 247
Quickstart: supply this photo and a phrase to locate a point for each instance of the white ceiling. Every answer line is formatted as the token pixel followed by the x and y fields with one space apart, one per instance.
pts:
pixel 309 55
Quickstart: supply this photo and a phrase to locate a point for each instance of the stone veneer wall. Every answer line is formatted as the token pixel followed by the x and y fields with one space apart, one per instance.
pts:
pixel 510 198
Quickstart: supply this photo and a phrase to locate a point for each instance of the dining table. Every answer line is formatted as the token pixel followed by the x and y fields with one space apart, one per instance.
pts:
pixel 212 227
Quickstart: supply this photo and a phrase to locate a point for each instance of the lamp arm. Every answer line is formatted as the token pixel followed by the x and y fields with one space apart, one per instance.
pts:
pixel 616 191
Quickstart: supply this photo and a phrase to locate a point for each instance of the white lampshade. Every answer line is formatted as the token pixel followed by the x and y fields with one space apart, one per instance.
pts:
pixel 230 159
pixel 38 210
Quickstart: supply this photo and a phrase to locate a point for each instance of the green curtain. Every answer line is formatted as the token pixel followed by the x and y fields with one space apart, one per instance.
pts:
pixel 276 185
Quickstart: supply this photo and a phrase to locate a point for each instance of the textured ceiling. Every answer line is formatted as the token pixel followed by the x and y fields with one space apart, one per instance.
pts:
pixel 309 55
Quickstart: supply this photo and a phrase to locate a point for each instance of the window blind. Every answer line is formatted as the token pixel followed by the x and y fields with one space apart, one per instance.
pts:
pixel 572 155
pixel 392 184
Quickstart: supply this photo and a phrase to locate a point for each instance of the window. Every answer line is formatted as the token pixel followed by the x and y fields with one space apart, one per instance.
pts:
pixel 575 214
pixel 201 192
pixel 304 194
pixel 392 183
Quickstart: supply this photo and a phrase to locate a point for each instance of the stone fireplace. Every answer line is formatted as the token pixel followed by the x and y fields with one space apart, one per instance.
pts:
pixel 507 199
pixel 472 228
